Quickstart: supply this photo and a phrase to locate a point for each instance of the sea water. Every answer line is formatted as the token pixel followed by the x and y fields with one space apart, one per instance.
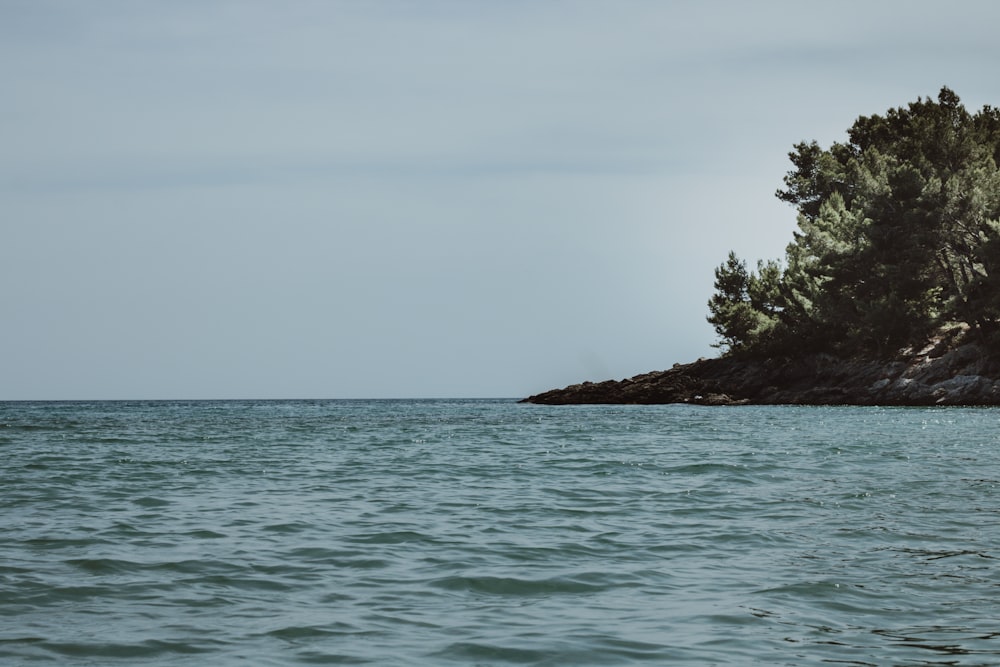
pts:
pixel 496 533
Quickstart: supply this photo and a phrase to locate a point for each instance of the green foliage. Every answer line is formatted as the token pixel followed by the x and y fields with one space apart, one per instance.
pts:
pixel 744 307
pixel 898 234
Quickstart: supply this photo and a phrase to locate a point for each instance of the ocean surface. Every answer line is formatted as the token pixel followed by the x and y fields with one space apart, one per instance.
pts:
pixel 493 533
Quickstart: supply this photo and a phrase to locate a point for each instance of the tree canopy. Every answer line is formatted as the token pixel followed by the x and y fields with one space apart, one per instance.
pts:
pixel 898 236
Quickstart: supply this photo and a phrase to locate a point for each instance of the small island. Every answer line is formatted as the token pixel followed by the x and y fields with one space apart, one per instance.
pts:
pixel 889 292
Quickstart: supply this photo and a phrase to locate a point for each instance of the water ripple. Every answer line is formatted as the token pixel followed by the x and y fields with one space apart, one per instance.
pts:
pixel 486 532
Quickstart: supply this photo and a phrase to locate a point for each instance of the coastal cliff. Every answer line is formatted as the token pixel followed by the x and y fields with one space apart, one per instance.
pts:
pixel 937 374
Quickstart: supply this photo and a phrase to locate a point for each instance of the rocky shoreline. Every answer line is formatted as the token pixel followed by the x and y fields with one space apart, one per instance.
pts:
pixel 938 374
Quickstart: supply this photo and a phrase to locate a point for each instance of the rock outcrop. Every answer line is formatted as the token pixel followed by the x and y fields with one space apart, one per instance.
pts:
pixel 941 373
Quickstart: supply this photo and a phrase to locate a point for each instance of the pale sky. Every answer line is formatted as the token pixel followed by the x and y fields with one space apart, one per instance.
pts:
pixel 366 198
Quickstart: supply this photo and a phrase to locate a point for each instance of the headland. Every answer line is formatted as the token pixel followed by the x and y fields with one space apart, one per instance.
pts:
pixel 938 374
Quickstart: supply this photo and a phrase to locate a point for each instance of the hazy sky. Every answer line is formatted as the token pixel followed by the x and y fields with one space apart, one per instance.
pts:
pixel 339 199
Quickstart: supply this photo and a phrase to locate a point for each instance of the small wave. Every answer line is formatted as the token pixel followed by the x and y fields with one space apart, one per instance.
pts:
pixel 296 633
pixel 53 543
pixel 104 565
pixel 478 651
pixel 394 537
pixel 313 657
pixel 527 587
pixel 573 650
pixel 287 528
pixel 150 501
pixel 704 468
pixel 205 534
pixel 152 648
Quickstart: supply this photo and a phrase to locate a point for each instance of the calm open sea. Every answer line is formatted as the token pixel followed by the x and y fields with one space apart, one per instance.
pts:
pixel 493 533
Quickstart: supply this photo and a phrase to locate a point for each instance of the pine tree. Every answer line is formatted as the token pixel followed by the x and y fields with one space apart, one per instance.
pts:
pixel 898 235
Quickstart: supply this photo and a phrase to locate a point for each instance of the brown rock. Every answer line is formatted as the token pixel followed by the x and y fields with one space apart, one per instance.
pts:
pixel 967 374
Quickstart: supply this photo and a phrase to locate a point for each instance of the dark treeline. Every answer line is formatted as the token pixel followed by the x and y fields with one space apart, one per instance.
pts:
pixel 898 238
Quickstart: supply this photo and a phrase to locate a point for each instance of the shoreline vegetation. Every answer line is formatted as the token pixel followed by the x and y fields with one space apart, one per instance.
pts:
pixel 889 292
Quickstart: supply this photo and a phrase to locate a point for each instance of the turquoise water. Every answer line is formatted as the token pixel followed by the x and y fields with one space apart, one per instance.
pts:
pixel 493 533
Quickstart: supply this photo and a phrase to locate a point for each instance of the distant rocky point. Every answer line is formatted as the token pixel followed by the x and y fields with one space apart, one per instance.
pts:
pixel 889 292
pixel 938 374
